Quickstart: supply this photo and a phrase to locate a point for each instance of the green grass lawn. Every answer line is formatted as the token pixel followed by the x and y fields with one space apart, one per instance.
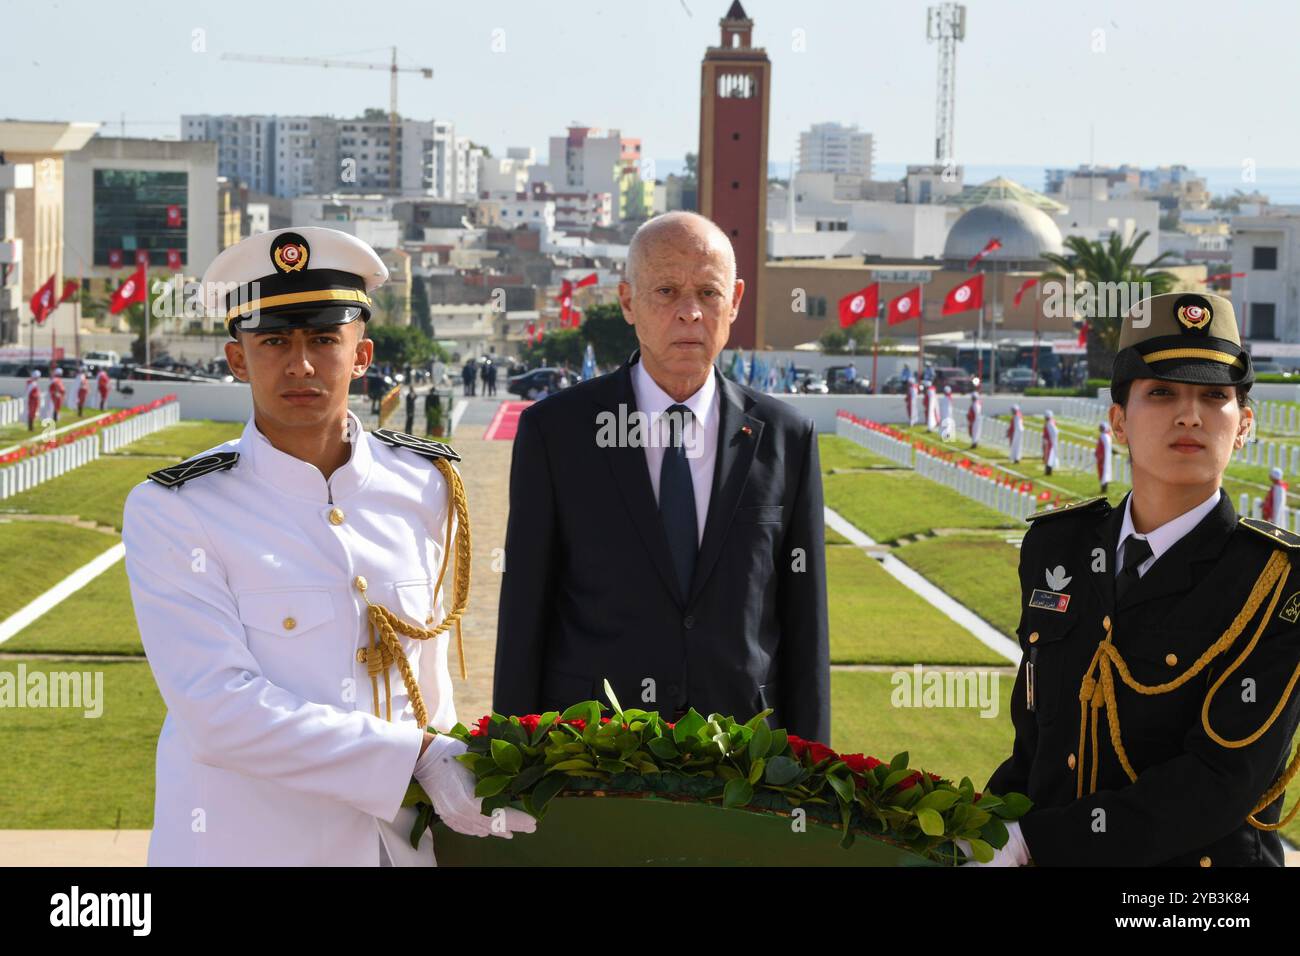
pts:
pixel 17 433
pixel 888 505
pixel 66 771
pixel 837 452
pixel 96 491
pixel 834 537
pixel 184 439
pixel 98 619
pixel 40 554
pixel 978 571
pixel 951 741
pixel 874 619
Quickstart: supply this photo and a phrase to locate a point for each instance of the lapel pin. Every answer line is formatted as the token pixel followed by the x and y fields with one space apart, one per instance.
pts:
pixel 746 430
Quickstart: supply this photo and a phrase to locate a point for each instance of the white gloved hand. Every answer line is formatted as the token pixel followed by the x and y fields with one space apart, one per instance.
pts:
pixel 1015 853
pixel 450 785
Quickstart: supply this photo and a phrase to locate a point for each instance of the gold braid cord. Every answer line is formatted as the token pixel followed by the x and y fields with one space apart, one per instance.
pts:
pixel 1097 690
pixel 385 649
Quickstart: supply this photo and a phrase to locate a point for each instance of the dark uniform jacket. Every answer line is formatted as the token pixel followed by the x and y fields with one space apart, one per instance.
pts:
pixel 1192 794
pixel 589 590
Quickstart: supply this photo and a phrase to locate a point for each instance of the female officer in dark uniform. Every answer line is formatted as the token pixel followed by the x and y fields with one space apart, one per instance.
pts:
pixel 1156 702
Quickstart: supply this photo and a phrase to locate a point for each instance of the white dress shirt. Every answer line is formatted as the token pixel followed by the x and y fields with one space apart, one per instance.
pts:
pixel 1164 537
pixel 245 589
pixel 700 438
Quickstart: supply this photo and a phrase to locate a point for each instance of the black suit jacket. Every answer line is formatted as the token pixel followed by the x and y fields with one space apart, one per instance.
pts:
pixel 1190 801
pixel 589 591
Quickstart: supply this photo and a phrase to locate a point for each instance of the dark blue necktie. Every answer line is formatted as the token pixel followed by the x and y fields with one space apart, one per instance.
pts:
pixel 677 500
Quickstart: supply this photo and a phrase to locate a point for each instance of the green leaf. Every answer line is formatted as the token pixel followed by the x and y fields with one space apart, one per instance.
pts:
pixel 613 701
pixel 930 821
pixel 572 764
pixel 781 771
pixel 689 726
pixel 780 739
pixel 899 762
pixel 544 726
pixel 723 740
pixel 588 710
pixel 982 852
pixel 547 788
pixel 939 800
pixel 490 786
pixel 759 719
pixel 527 777
pixel 422 820
pixel 737 793
pixel 507 756
pixel 761 742
pixel 756 770
pixel 662 747
pixel 843 788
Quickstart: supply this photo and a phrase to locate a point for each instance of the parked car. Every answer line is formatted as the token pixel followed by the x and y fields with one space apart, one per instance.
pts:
pixel 363 385
pixel 96 360
pixel 814 385
pixel 1020 378
pixel 839 383
pixel 959 379
pixel 535 383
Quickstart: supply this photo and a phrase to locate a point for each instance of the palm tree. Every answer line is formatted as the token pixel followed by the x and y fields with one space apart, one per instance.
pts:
pixel 1108 262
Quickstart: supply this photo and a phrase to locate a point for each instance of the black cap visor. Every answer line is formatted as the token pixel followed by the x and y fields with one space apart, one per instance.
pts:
pixel 302 317
pixel 1207 362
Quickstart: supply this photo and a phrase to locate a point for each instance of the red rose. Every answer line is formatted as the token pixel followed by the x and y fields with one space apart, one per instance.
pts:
pixel 480 727
pixel 798 745
pixel 670 725
pixel 604 720
pixel 577 722
pixel 530 722
pixel 860 764
pixel 910 781
pixel 820 752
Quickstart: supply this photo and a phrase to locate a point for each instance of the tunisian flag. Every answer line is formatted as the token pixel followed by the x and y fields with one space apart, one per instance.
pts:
pixel 132 290
pixel 1020 293
pixel 70 287
pixel 173 216
pixel 906 306
pixel 43 301
pixel 565 298
pixel 991 246
pixel 863 304
pixel 115 258
pixel 585 281
pixel 173 259
pixel 965 297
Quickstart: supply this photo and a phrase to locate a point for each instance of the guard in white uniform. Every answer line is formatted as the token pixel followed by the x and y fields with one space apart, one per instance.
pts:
pixel 931 408
pixel 1104 456
pixel 295 615
pixel 975 418
pixel 913 403
pixel 1051 454
pixel 1015 434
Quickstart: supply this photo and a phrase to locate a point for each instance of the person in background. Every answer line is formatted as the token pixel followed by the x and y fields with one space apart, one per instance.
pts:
pixel 58 392
pixel 83 389
pixel 410 409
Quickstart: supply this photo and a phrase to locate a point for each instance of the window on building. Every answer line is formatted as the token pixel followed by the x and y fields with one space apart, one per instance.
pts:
pixel 130 213
pixel 1263 321
pixel 1264 257
pixel 736 85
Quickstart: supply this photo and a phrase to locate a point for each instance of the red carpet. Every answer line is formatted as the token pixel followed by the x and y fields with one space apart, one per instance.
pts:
pixel 505 422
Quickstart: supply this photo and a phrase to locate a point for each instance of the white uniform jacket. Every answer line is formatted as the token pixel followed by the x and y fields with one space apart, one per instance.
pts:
pixel 244 583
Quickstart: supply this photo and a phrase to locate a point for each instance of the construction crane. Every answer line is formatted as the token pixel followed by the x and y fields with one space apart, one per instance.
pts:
pixel 394 180
pixel 945 25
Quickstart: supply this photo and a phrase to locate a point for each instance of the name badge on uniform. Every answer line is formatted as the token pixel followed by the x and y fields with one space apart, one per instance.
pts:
pixel 1049 600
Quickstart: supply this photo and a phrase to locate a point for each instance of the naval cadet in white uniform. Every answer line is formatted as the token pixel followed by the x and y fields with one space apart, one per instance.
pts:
pixel 293 593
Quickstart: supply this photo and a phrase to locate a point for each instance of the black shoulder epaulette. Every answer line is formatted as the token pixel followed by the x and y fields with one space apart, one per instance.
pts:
pixel 1279 536
pixel 176 475
pixel 1087 503
pixel 421 446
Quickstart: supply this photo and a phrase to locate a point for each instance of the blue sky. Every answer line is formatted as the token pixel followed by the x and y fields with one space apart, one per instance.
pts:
pixel 1205 83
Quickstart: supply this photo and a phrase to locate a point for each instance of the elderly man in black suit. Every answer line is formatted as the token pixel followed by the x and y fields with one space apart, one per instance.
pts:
pixel 666 525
